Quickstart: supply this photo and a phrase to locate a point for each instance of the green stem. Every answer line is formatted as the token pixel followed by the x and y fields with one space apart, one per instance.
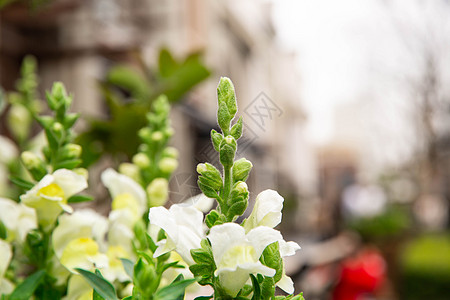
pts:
pixel 228 182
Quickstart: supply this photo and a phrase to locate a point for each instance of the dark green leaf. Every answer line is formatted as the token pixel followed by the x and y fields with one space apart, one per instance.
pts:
pixel 79 198
pixel 26 185
pixel 25 290
pixel 103 287
pixel 68 164
pixel 174 290
pixel 256 288
pixel 128 266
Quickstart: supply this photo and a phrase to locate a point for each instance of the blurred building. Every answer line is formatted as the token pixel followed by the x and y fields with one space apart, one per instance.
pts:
pixel 76 41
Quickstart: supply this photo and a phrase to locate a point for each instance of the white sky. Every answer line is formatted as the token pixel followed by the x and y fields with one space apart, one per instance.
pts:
pixel 350 48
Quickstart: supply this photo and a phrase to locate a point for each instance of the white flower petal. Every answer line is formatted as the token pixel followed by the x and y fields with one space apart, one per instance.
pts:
pixel 267 210
pixel 288 248
pixel 200 202
pixel 224 236
pixel 69 181
pixel 261 237
pixel 84 223
pixel 118 184
pixel 183 227
pixel 6 255
pixel 286 284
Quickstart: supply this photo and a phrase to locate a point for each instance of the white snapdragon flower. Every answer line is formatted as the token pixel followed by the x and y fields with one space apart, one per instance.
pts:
pixel 287 249
pixel 49 196
pixel 8 150
pixel 237 254
pixel 18 219
pixel 184 229
pixel 6 287
pixel 266 212
pixel 125 192
pixel 77 240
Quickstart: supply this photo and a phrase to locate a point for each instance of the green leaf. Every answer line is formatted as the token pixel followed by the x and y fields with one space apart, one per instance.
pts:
pixel 3 231
pixel 203 297
pixel 216 139
pixel 103 287
pixel 267 288
pixel 25 290
pixel 175 290
pixel 271 257
pixel 236 130
pixel 79 198
pixel 96 296
pixel 128 266
pixel 256 288
pixel 26 185
pixel 68 164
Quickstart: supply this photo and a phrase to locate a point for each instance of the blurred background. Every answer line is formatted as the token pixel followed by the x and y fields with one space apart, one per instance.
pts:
pixel 346 106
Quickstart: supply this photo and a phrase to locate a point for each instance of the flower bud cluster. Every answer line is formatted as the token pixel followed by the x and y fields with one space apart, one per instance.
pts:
pixel 155 162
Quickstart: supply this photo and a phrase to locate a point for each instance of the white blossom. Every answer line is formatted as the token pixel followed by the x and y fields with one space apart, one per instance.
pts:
pixel 237 254
pixel 184 229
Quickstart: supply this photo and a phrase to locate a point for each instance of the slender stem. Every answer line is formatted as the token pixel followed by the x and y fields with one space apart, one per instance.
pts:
pixel 228 182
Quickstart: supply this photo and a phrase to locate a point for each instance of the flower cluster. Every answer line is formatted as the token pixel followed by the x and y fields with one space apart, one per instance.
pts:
pixel 140 250
pixel 224 254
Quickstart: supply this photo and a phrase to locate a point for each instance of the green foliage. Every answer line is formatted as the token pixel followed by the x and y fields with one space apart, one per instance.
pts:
pixel 205 265
pixel 392 222
pixel 104 289
pixel 425 268
pixel 116 135
pixel 25 290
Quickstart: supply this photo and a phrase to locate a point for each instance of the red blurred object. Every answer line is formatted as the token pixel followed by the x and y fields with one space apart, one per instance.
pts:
pixel 361 275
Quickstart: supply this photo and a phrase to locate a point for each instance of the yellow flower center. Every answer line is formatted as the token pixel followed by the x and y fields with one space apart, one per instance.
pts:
pixel 51 190
pixel 115 253
pixel 238 255
pixel 126 201
pixel 77 251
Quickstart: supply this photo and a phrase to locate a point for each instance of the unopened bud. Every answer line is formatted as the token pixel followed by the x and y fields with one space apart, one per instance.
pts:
pixel 145 134
pixel 130 170
pixel 168 165
pixel 72 150
pixel 30 160
pixel 241 169
pixel 170 152
pixel 83 172
pixel 158 192
pixel 141 160
pixel 157 136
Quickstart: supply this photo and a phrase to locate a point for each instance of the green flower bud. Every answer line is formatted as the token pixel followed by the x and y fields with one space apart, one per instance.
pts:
pixel 216 139
pixel 82 171
pixel 130 170
pixel 34 165
pixel 241 188
pixel 71 151
pixel 157 136
pixel 210 176
pixel 141 160
pixel 19 121
pixel 168 165
pixel 241 169
pixel 227 151
pixel 170 152
pixel 145 278
pixel 30 160
pixel 169 132
pixel 145 134
pixel 58 97
pixel 158 192
pixel 58 130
